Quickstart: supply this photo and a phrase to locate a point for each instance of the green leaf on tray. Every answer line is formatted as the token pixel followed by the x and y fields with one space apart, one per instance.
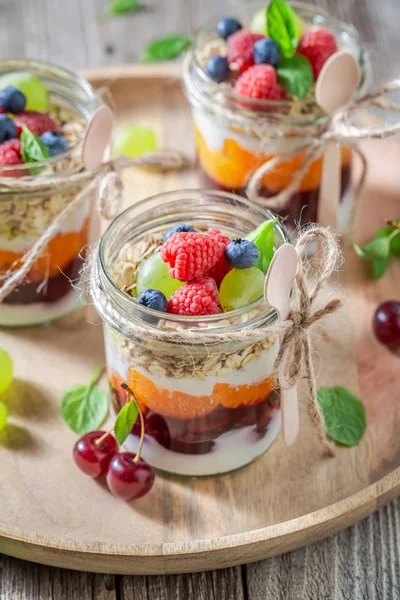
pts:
pixel 33 149
pixel 295 75
pixel 283 27
pixel 263 237
pixel 85 407
pixel 126 419
pixel 122 7
pixel 385 243
pixel 344 415
pixel 166 48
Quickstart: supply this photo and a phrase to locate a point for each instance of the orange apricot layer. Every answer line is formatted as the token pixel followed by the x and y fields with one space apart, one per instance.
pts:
pixel 59 252
pixel 232 166
pixel 185 406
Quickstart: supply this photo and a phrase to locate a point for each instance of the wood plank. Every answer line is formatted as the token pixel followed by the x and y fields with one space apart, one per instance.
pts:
pixel 214 585
pixel 20 580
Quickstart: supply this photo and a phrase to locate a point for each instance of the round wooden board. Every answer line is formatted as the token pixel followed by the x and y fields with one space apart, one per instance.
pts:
pixel 51 513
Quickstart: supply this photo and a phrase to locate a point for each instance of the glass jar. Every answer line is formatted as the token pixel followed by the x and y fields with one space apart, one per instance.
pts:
pixel 208 407
pixel 25 213
pixel 230 151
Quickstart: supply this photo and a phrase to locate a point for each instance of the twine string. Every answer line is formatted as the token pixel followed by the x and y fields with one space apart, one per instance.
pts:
pixel 106 184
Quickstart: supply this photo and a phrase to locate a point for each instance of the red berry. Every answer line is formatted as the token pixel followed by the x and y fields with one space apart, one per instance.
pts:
pixel 260 82
pixel 94 459
pixel 317 46
pixel 190 255
pixel 240 48
pixel 218 271
pixel 198 297
pixel 10 154
pixel 387 324
pixel 127 479
pixel 36 122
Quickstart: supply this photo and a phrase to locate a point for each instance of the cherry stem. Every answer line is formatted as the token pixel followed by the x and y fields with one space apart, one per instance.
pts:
pixel 142 426
pixel 101 439
pixel 99 376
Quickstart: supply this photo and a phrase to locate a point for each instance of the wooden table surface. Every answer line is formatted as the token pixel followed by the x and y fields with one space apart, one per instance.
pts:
pixel 360 563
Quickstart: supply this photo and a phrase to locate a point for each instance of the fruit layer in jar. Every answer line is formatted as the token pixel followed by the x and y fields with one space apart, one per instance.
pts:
pixel 206 410
pixel 247 59
pixel 37 128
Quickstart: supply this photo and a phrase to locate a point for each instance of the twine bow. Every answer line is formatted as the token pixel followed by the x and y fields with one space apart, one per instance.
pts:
pixel 343 128
pixel 294 360
pixel 105 184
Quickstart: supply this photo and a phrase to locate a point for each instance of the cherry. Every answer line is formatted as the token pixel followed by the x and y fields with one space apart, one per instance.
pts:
pixel 128 479
pixel 386 324
pixel 93 457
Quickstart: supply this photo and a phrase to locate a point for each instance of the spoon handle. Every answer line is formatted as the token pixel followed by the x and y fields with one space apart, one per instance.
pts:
pixel 329 193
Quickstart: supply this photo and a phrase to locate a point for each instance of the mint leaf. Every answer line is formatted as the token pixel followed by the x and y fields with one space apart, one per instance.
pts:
pixel 33 149
pixel 85 407
pixel 166 48
pixel 263 238
pixel 282 27
pixel 125 421
pixel 295 75
pixel 377 249
pixel 379 267
pixel 122 7
pixel 344 415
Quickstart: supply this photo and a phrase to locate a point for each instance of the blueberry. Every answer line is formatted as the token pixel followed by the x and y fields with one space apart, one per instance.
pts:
pixel 266 51
pixel 55 142
pixel 226 26
pixel 8 130
pixel 177 229
pixel 12 100
pixel 153 299
pixel 217 67
pixel 241 254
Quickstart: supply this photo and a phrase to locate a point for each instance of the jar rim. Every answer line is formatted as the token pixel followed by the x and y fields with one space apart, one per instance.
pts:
pixel 38 67
pixel 185 321
pixel 256 108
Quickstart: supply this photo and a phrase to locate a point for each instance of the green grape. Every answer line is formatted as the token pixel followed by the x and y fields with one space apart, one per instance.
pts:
pixel 3 416
pixel 37 95
pixel 6 371
pixel 153 273
pixel 134 140
pixel 240 287
pixel 259 22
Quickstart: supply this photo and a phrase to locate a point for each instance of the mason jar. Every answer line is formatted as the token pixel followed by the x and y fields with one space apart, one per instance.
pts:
pixel 26 210
pixel 234 138
pixel 208 407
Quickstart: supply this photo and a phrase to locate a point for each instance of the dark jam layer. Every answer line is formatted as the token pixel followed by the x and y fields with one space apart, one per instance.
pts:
pixel 302 207
pixel 196 436
pixel 55 288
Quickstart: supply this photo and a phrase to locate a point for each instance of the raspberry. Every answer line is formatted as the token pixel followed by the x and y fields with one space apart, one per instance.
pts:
pixel 198 297
pixel 35 121
pixel 240 48
pixel 10 154
pixel 218 271
pixel 317 46
pixel 260 82
pixel 191 254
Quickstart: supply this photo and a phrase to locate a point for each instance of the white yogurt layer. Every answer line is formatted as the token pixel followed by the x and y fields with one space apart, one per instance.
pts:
pixel 18 315
pixel 254 372
pixel 72 224
pixel 214 135
pixel 231 450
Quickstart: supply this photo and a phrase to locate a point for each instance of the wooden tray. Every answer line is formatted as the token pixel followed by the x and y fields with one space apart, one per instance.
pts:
pixel 51 513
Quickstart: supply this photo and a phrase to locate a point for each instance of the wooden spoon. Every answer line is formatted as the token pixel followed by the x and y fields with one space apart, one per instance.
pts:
pixel 278 285
pixel 336 83
pixel 97 137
